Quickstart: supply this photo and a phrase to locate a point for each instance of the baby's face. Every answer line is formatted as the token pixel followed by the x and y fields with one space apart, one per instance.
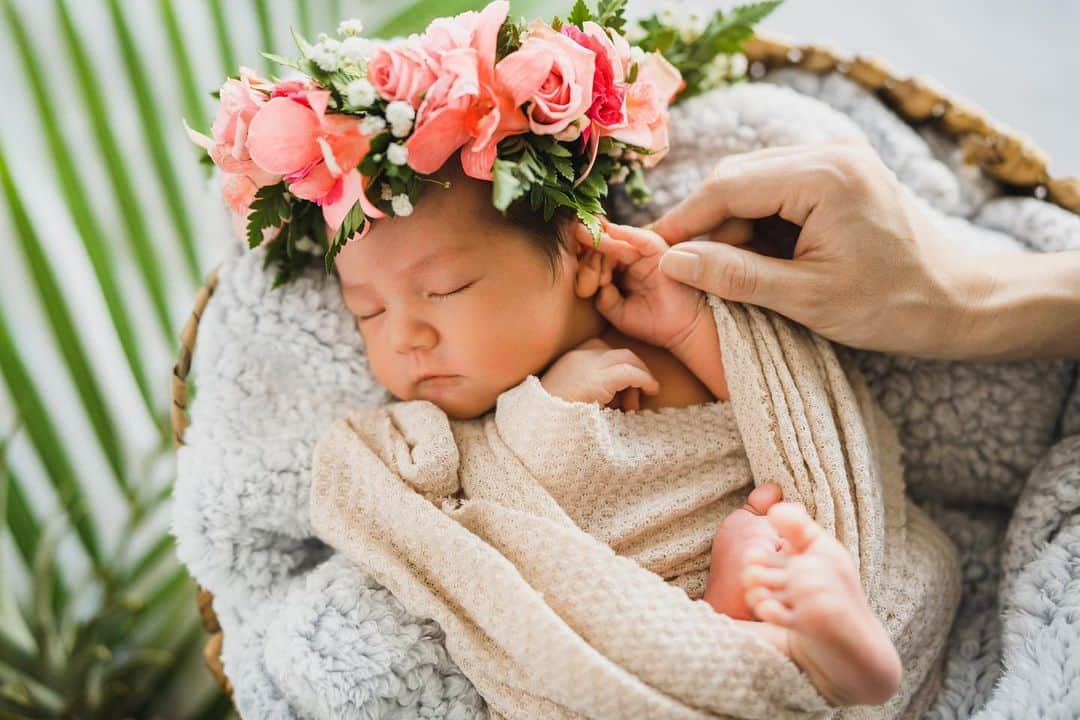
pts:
pixel 455 290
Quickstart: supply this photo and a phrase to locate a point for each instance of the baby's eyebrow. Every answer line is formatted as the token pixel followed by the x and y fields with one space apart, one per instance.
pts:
pixel 451 253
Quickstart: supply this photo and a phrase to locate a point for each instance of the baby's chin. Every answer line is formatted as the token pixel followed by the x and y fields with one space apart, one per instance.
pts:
pixel 458 399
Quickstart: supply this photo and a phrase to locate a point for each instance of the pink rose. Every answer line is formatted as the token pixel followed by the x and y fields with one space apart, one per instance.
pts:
pixel 240 100
pixel 558 75
pixel 401 72
pixel 315 153
pixel 607 110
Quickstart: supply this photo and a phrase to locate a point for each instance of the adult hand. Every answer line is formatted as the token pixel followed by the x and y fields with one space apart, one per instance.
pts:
pixel 868 268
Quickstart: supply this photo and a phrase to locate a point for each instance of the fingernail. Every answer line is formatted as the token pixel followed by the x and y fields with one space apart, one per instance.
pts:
pixel 681 266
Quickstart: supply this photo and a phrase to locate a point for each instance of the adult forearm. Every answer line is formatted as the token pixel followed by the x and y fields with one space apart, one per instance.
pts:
pixel 1025 305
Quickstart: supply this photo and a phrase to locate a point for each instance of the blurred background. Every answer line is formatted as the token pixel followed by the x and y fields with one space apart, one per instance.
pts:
pixel 109 224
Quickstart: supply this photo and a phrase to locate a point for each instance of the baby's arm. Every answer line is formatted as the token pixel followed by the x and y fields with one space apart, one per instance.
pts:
pixel 640 301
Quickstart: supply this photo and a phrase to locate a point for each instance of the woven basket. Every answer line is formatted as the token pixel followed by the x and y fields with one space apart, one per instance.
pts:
pixel 1004 156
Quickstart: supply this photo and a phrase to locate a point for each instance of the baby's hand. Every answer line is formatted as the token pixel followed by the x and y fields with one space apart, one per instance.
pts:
pixel 634 295
pixel 594 372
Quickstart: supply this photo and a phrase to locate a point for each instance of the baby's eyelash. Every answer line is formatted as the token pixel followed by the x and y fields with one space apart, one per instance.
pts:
pixel 434 295
pixel 452 292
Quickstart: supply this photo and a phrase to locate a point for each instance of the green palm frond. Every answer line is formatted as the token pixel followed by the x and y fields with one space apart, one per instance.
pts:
pixel 103 623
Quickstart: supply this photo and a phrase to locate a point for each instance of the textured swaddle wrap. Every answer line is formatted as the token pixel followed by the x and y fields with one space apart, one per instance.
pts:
pixel 563 547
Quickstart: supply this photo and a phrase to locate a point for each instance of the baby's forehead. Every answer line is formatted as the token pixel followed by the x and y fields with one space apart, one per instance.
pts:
pixel 367 264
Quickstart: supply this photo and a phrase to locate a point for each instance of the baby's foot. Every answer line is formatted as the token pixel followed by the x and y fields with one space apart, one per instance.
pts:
pixel 813 590
pixel 742 530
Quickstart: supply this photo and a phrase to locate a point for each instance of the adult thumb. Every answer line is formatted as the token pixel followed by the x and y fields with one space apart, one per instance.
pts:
pixel 731 272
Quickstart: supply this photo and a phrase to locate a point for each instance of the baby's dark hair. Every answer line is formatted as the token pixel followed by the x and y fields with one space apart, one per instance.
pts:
pixel 550 237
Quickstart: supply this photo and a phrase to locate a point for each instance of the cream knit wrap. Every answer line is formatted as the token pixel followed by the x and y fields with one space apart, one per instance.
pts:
pixel 563 547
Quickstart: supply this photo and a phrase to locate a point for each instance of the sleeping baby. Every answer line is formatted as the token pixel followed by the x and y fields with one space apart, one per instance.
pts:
pixel 458 304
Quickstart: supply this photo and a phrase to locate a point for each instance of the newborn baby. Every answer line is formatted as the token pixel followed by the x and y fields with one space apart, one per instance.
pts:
pixel 457 303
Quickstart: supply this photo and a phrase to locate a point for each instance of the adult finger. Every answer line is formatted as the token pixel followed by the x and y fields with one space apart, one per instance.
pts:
pixel 788 185
pixel 734 273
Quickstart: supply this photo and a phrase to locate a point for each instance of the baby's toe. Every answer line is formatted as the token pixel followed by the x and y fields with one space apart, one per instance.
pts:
pixel 764 497
pixel 771 610
pixel 768 577
pixel 795 525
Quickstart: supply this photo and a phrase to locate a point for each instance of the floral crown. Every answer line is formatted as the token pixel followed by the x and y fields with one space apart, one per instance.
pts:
pixel 555 112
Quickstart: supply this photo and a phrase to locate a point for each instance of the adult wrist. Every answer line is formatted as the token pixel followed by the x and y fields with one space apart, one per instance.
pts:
pixel 1018 305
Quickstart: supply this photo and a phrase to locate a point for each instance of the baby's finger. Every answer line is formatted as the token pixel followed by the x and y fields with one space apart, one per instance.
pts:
pixel 624 375
pixel 610 304
pixel 618 356
pixel 646 242
pixel 605 270
pixel 622 251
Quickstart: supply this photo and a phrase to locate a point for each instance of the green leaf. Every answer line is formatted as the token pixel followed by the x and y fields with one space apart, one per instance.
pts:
pixel 509 38
pixel 266 35
pixel 290 62
pixel 150 119
pixel 269 208
pixel 592 223
pixel 610 13
pixel 580 13
pixel 87 79
pixel 635 184
pixel 94 238
pixel 353 223
pixel 564 167
pixel 62 325
pixel 506 187
pixel 221 34
pixel 194 106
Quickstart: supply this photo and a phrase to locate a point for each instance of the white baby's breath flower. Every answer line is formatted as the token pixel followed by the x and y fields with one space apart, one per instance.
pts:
pixel 399 112
pixel 397 154
pixel 385 191
pixel 355 49
pixel 739 65
pixel 400 115
pixel 372 124
pixel 360 93
pixel 325 54
pixel 402 205
pixel 352 26
pixel 636 54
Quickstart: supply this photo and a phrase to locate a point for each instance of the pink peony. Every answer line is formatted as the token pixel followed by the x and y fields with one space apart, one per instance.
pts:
pixel 473 104
pixel 647 100
pixel 555 74
pixel 240 101
pixel 315 153
pixel 402 71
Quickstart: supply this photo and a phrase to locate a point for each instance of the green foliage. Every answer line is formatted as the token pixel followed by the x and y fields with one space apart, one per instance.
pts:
pixel 580 13
pixel 722 35
pixel 269 209
pixel 353 223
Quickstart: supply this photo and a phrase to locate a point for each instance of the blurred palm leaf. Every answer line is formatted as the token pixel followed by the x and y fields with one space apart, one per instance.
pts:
pixel 119 637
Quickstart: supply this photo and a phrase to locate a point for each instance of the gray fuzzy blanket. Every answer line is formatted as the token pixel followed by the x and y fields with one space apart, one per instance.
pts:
pixel 307 635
